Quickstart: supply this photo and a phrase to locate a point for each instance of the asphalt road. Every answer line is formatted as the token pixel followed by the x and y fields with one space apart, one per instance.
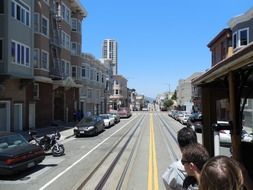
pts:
pixel 131 155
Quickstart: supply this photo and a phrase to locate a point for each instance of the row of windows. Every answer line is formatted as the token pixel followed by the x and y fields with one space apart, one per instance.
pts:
pixel 65 38
pixel 90 92
pixel 21 12
pixel 87 73
pixel 20 53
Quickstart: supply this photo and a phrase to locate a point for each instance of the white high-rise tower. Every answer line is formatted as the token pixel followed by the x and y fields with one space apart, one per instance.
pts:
pixel 110 51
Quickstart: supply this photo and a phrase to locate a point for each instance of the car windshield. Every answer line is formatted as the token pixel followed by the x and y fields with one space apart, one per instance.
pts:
pixel 87 120
pixel 104 116
pixel 11 141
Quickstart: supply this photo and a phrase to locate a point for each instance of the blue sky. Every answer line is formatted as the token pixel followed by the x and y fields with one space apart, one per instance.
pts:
pixel 159 41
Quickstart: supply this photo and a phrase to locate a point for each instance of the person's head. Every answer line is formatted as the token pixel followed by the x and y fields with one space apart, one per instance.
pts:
pixel 194 157
pixel 186 136
pixel 221 173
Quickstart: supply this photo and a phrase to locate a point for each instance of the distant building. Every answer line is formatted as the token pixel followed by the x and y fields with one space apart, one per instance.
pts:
pixel 110 51
pixel 184 93
pixel 140 101
pixel 119 98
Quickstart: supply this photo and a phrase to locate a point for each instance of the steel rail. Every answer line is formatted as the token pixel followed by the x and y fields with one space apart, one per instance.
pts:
pixel 172 135
pixel 87 179
pixel 123 175
pixel 116 159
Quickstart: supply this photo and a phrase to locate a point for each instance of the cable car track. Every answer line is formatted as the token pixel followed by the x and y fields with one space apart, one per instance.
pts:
pixel 110 169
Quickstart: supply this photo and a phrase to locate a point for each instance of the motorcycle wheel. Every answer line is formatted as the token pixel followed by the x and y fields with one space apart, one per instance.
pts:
pixel 58 151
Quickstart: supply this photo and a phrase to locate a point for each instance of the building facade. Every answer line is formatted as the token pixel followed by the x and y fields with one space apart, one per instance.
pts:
pixel 184 93
pixel 41 62
pixel 119 98
pixel 96 85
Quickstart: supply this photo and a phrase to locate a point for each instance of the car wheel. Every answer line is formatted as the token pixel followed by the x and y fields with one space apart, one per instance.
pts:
pixel 96 131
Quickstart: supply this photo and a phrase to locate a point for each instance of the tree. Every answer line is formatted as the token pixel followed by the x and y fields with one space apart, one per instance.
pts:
pixel 168 103
pixel 174 96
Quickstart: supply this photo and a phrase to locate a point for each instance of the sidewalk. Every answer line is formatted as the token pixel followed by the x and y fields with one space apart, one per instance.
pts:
pixel 65 129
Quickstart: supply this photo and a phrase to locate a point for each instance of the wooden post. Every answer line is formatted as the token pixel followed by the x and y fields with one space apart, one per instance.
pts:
pixel 234 117
pixel 208 114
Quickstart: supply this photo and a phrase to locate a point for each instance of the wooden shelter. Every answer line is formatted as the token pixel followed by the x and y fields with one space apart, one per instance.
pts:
pixel 230 79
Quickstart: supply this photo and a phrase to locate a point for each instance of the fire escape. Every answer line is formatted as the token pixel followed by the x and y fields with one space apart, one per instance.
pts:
pixel 56 68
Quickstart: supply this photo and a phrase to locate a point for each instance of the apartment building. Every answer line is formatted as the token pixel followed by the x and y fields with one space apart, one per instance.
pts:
pixel 96 75
pixel 16 66
pixel 110 51
pixel 184 92
pixel 41 62
pixel 119 98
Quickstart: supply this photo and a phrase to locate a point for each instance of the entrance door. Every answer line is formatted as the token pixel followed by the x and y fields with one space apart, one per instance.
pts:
pixel 18 117
pixel 32 115
pixel 5 115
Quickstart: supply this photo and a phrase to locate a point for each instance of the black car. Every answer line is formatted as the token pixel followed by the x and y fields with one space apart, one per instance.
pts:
pixel 16 154
pixel 89 126
pixel 195 122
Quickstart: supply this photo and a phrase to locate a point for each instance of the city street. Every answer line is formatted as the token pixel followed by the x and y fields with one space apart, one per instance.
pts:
pixel 133 154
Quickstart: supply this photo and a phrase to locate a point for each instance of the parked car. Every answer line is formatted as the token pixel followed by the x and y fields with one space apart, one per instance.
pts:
pixel 16 154
pixel 183 119
pixel 108 119
pixel 91 125
pixel 144 109
pixel 225 135
pixel 116 117
pixel 195 122
pixel 124 112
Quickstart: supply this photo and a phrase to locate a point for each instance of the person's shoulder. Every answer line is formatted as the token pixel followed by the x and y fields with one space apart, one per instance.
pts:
pixel 177 165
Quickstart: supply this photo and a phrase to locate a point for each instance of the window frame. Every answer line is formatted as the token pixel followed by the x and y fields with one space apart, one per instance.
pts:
pixel 74 24
pixel 73 51
pixel 74 71
pixel 41 60
pixel 20 54
pixel 83 74
pixel 36 19
pixel 239 36
pixel 47 26
pixel 235 40
pixel 23 8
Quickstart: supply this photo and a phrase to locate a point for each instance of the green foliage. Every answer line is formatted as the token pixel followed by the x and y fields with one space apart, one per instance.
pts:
pixel 168 103
pixel 174 96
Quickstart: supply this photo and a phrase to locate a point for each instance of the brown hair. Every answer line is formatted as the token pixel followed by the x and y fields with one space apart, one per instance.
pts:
pixel 196 153
pixel 221 173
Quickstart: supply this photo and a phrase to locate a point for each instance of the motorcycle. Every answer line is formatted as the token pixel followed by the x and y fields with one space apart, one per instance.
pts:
pixel 48 142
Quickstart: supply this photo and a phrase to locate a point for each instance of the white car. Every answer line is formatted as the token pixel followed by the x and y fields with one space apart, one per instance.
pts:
pixel 109 120
pixel 183 118
pixel 225 136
